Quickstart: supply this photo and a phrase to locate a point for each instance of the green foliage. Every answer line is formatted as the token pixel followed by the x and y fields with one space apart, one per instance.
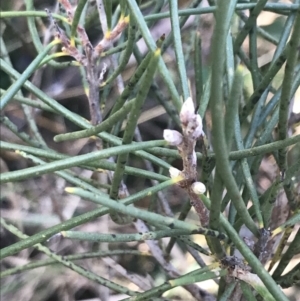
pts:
pixel 246 106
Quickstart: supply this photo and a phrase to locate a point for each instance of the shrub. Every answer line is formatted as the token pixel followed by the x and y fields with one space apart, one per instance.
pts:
pixel 178 163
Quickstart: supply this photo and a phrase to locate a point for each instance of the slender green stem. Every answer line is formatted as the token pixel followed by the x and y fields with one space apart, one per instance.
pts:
pixel 27 111
pixel 198 69
pixel 156 9
pixel 168 106
pixel 277 254
pixel 42 263
pixel 32 27
pixel 126 55
pixel 69 264
pixel 265 137
pixel 135 11
pixel 193 277
pixel 274 7
pixel 214 215
pixel 36 38
pixel 247 291
pixel 263 33
pixel 235 155
pixel 205 97
pixel 250 257
pixel 169 39
pixel 114 50
pixel 249 24
pixel 79 9
pixel 131 84
pixel 275 99
pixel 23 136
pixel 289 279
pixel 14 14
pixel 102 164
pixel 286 95
pixel 150 217
pixel 247 175
pixel 266 80
pixel 255 120
pixel 131 126
pixel 183 214
pixel 58 65
pixel 235 82
pixel 267 201
pixel 192 246
pixel 232 105
pixel 178 47
pixel 115 238
pixel 75 161
pixel 76 119
pixel 30 102
pixel 265 112
pixel 223 14
pixel 293 249
pixel 108 13
pixel 103 126
pixel 229 289
pixel 286 32
pixel 244 58
pixel 255 72
pixel 16 86
pixel 78 220
pixel 280 8
pixel 292 170
pixel 65 175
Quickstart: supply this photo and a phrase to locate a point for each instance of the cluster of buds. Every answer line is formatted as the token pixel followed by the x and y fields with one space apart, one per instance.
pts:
pixel 173 137
pixel 190 121
pixel 191 125
pixel 192 130
pixel 197 187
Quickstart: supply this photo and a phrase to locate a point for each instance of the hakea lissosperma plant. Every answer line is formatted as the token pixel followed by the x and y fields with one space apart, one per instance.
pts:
pixel 242 104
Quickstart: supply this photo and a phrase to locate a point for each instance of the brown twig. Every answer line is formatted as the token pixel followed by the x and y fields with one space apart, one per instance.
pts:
pixel 90 57
pixel 109 37
pixel 191 131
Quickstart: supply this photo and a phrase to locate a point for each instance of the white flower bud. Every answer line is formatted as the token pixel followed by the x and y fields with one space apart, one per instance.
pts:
pixel 198 187
pixel 187 111
pixel 174 172
pixel 172 137
pixel 199 129
pixel 190 121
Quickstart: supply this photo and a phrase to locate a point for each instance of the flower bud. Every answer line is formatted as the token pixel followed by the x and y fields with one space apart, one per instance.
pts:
pixel 198 187
pixel 174 172
pixel 187 111
pixel 190 121
pixel 198 130
pixel 172 137
pixel 193 128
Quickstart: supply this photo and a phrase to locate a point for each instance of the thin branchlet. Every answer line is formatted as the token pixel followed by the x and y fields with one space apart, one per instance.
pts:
pixel 89 59
pixel 191 124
